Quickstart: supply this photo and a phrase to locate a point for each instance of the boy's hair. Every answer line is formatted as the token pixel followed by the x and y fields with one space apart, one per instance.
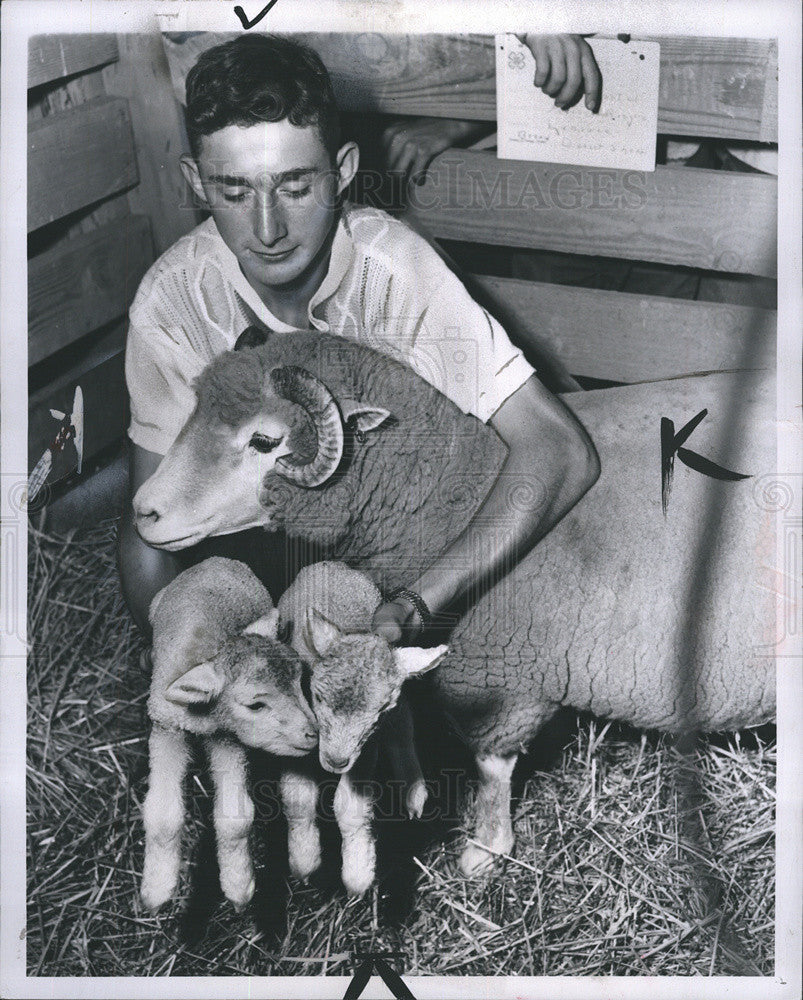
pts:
pixel 260 78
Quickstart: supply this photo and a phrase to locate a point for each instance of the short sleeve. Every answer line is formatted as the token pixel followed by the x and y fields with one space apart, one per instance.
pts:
pixel 159 374
pixel 465 353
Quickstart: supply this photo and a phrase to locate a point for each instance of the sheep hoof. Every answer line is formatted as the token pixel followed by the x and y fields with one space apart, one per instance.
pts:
pixel 238 892
pixel 357 883
pixel 359 868
pixel 156 892
pixel 476 861
pixel 304 863
pixel 416 799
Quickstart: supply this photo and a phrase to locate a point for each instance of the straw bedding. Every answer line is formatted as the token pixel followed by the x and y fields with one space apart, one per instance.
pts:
pixel 632 858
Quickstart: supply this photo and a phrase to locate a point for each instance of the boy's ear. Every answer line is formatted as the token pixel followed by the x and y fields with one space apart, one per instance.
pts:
pixel 189 169
pixel 347 160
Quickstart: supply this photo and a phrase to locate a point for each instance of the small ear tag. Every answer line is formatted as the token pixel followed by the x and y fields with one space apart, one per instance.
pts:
pixel 267 625
pixel 198 686
pixel 363 417
pixel 412 660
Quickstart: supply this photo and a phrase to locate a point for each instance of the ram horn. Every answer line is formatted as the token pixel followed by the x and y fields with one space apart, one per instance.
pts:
pixel 300 386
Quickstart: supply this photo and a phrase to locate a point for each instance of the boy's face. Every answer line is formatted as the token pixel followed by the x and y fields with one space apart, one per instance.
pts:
pixel 272 190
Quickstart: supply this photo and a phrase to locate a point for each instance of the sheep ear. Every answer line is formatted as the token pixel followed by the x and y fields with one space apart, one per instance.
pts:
pixel 267 625
pixel 198 686
pixel 252 336
pixel 363 416
pixel 411 660
pixel 318 634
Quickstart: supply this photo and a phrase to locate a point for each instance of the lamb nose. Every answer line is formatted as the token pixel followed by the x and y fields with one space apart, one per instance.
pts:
pixel 338 762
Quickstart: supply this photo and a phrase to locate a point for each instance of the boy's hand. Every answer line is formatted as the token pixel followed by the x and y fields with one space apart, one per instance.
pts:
pixel 565 68
pixel 396 621
pixel 411 144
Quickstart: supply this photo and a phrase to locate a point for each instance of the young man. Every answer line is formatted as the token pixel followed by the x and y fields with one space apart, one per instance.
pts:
pixel 282 246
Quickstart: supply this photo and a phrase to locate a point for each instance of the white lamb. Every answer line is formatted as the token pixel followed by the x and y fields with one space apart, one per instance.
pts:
pixel 219 672
pixel 356 678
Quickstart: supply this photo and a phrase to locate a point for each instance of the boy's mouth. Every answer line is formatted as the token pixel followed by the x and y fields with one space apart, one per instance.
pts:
pixel 273 256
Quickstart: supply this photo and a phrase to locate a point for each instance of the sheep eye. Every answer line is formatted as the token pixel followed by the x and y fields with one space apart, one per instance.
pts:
pixel 256 706
pixel 263 444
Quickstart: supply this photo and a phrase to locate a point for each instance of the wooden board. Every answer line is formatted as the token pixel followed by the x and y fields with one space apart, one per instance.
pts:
pixel 721 87
pixel 102 380
pixel 85 283
pixel 51 57
pixel 629 338
pixel 160 138
pixel 677 215
pixel 78 157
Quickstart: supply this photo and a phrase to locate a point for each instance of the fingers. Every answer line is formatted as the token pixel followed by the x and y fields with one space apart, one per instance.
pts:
pixel 592 78
pixel 565 68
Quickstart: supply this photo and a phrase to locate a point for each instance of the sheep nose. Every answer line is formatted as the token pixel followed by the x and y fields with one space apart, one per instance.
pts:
pixel 338 763
pixel 311 736
pixel 146 516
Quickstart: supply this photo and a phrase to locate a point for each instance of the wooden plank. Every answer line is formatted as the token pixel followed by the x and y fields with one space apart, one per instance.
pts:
pixel 720 87
pixel 51 57
pixel 677 215
pixel 85 283
pixel 160 138
pixel 78 157
pixel 629 338
pixel 102 380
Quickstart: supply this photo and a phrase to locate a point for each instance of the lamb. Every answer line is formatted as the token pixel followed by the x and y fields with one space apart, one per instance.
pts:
pixel 596 617
pixel 218 672
pixel 356 682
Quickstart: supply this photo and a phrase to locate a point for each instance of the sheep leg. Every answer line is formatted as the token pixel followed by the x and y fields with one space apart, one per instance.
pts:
pixel 398 737
pixel 233 816
pixel 354 810
pixel 492 824
pixel 163 815
pixel 299 793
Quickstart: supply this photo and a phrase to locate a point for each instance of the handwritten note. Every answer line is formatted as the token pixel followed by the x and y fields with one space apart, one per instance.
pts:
pixel 621 134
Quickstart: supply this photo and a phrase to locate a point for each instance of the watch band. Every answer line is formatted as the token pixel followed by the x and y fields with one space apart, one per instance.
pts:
pixel 417 602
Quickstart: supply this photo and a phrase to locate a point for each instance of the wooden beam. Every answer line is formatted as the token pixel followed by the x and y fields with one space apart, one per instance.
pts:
pixel 102 379
pixel 160 138
pixel 78 157
pixel 720 87
pixel 677 215
pixel 85 283
pixel 629 338
pixel 51 57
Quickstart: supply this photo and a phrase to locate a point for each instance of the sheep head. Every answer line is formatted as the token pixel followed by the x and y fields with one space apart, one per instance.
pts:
pixel 251 689
pixel 251 422
pixel 355 679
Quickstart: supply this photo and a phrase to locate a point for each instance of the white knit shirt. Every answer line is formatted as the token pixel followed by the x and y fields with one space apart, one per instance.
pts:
pixel 386 287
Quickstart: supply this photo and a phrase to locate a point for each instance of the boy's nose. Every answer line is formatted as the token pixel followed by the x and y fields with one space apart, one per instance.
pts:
pixel 270 223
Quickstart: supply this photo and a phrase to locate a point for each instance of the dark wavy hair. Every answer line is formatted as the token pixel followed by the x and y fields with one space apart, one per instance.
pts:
pixel 260 78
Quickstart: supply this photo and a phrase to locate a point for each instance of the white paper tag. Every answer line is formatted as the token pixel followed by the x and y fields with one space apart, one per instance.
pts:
pixel 620 135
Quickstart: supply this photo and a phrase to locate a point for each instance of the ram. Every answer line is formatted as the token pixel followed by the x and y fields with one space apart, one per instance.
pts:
pixel 661 618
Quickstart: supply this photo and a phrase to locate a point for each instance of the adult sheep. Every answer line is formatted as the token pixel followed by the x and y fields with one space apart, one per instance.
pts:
pixel 613 612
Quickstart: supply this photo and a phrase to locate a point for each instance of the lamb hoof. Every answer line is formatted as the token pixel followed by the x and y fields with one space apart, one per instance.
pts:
pixel 304 862
pixel 416 799
pixel 238 891
pixel 156 892
pixel 476 861
pixel 357 883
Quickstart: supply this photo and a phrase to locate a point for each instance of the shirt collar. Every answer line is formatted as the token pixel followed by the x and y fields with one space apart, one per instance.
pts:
pixel 340 258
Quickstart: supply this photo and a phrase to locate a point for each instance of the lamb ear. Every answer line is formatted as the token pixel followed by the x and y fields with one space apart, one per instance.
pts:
pixel 267 625
pixel 364 417
pixel 412 660
pixel 198 686
pixel 318 634
pixel 252 336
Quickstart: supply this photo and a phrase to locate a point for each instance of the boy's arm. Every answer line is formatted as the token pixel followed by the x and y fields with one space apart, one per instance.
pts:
pixel 552 460
pixel 565 68
pixel 143 570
